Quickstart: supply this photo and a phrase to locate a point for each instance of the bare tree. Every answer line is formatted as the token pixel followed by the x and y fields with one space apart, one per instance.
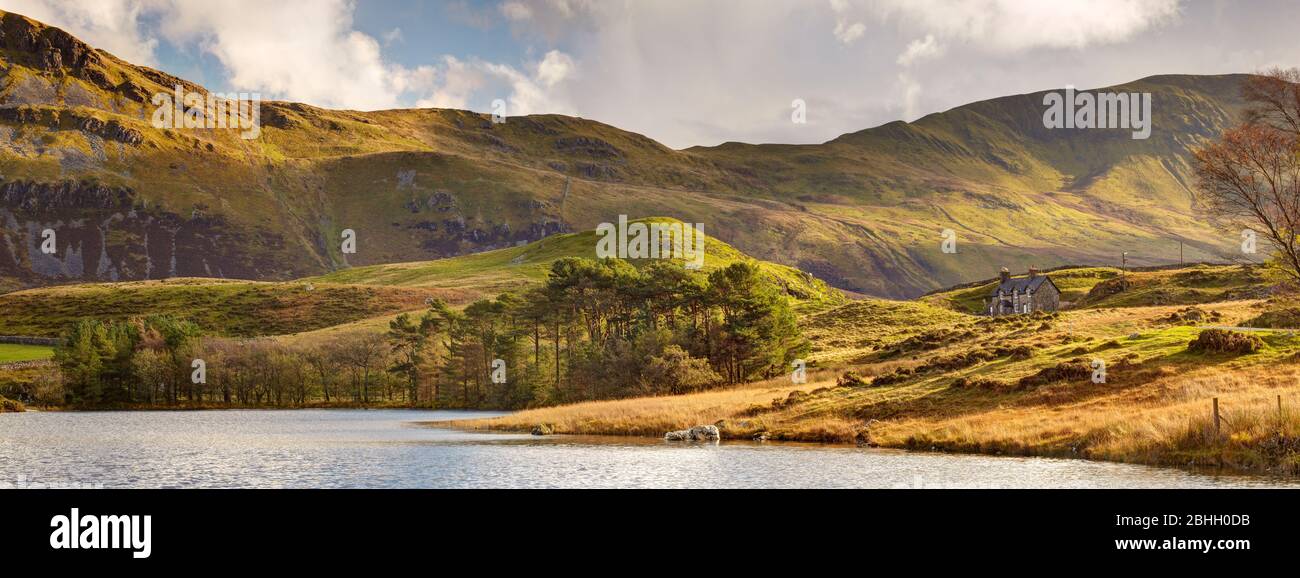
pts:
pixel 1250 176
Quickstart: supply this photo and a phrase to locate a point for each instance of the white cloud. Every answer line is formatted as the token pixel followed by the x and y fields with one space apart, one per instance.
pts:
pixel 541 88
pixel 1016 25
pixel 516 10
pixel 394 35
pixel 458 83
pixel 555 68
pixel 845 30
pixel 323 61
pixel 920 49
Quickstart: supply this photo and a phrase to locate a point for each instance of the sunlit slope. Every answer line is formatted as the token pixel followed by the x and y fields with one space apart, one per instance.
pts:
pixel 514 268
pixel 1101 287
pixel 234 308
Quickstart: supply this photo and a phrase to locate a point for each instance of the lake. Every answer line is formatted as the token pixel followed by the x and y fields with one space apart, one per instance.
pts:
pixel 392 449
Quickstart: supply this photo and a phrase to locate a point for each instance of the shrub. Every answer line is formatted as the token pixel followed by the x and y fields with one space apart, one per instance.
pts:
pixel 851 379
pixel 1107 345
pixel 977 383
pixel 1192 316
pixel 891 378
pixel 676 372
pixel 1223 341
pixel 9 405
pixel 1022 352
pixel 1064 371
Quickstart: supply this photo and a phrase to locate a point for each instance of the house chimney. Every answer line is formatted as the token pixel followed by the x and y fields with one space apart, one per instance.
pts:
pixel 1033 272
pixel 1005 274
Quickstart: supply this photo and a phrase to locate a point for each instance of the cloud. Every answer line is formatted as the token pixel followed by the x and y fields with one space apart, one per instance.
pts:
pixel 845 31
pixel 324 61
pixel 555 68
pixel 394 35
pixel 1017 25
pixel 687 72
pixel 516 10
pixel 536 92
pixel 920 49
pixel 457 85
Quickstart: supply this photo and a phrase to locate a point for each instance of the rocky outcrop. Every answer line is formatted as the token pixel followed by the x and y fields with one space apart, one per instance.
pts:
pixel 68 120
pixel 28 196
pixel 587 146
pixel 699 433
pixel 105 233
pixel 53 50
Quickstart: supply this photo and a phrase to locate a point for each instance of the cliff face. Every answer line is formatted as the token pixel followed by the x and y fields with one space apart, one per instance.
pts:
pixel 106 233
pixel 78 154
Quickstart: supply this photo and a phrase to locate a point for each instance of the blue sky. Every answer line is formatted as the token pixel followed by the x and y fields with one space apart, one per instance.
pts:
pixel 684 72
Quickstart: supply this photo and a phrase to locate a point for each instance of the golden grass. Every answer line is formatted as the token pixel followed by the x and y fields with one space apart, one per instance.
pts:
pixel 1153 409
pixel 1150 424
pixel 647 416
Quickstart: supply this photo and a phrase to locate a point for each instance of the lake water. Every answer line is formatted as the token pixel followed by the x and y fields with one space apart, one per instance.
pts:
pixel 391 449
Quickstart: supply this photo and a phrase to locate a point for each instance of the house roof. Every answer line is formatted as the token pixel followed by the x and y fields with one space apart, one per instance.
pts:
pixel 1021 284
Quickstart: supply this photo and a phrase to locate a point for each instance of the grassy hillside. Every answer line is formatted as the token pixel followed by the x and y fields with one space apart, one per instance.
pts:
pixel 234 308
pixel 1097 287
pixel 853 331
pixel 862 212
pixel 493 272
pixel 360 297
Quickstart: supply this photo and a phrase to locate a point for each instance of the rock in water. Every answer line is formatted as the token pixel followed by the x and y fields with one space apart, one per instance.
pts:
pixel 705 433
pixel 542 430
pixel 699 433
pixel 677 436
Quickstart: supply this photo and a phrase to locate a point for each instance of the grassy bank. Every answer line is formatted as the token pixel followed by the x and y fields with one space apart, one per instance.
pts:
pixel 1013 387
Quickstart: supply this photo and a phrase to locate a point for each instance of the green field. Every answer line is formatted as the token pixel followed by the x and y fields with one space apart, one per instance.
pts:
pixel 10 353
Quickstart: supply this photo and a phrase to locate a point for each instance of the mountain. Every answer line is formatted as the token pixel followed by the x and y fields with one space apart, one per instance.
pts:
pixel 864 212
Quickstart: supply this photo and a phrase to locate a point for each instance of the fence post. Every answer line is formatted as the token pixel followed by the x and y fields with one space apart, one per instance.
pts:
pixel 1217 429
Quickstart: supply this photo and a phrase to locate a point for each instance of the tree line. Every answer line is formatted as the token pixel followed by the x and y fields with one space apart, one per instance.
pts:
pixel 594 330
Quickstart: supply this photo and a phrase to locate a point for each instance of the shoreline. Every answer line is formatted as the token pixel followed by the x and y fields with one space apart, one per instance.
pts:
pixel 1098 423
pixel 1198 469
